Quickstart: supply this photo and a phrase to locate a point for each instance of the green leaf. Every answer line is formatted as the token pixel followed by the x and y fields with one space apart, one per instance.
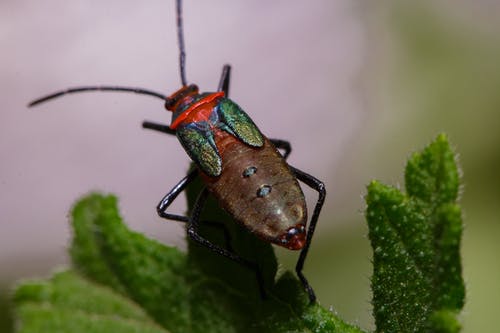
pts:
pixel 417 283
pixel 197 292
pixel 239 240
pixel 69 303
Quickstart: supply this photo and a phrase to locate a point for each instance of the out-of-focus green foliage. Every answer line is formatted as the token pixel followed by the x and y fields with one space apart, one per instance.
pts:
pixel 69 303
pixel 444 75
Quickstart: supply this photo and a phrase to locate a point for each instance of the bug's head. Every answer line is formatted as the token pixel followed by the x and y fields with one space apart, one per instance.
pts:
pixel 183 96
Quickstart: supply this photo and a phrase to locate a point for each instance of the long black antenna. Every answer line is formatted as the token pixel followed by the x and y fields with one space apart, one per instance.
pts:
pixel 180 37
pixel 182 63
pixel 97 88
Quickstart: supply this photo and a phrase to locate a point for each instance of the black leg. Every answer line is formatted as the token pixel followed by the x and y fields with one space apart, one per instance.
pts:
pixel 282 144
pixel 170 197
pixel 317 185
pixel 158 127
pixel 224 80
pixel 192 230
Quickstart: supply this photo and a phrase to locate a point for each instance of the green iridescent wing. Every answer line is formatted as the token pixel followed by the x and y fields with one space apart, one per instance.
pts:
pixel 240 123
pixel 201 150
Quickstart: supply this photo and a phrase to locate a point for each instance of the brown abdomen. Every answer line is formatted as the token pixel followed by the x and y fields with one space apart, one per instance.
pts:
pixel 258 189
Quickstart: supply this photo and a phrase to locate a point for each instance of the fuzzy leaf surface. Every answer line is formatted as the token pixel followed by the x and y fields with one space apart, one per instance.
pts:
pixel 70 303
pixel 417 281
pixel 125 282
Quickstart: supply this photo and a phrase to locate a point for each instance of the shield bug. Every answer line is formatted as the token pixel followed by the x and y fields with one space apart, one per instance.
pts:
pixel 239 166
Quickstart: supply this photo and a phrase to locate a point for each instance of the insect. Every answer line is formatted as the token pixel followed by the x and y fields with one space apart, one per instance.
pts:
pixel 240 167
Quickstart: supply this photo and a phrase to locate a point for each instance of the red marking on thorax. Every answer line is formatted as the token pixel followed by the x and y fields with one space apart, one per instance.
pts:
pixel 198 111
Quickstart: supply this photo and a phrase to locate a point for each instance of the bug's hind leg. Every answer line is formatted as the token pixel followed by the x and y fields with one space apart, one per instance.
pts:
pixel 282 144
pixel 318 186
pixel 192 230
pixel 224 80
pixel 158 127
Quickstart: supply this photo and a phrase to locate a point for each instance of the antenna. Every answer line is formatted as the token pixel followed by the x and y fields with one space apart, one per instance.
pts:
pixel 141 91
pixel 180 37
pixel 96 88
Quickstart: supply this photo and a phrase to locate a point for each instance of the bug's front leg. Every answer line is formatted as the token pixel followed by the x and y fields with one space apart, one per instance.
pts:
pixel 318 186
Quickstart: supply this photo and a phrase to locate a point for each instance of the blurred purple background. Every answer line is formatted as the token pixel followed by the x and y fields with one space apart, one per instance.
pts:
pixel 296 68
